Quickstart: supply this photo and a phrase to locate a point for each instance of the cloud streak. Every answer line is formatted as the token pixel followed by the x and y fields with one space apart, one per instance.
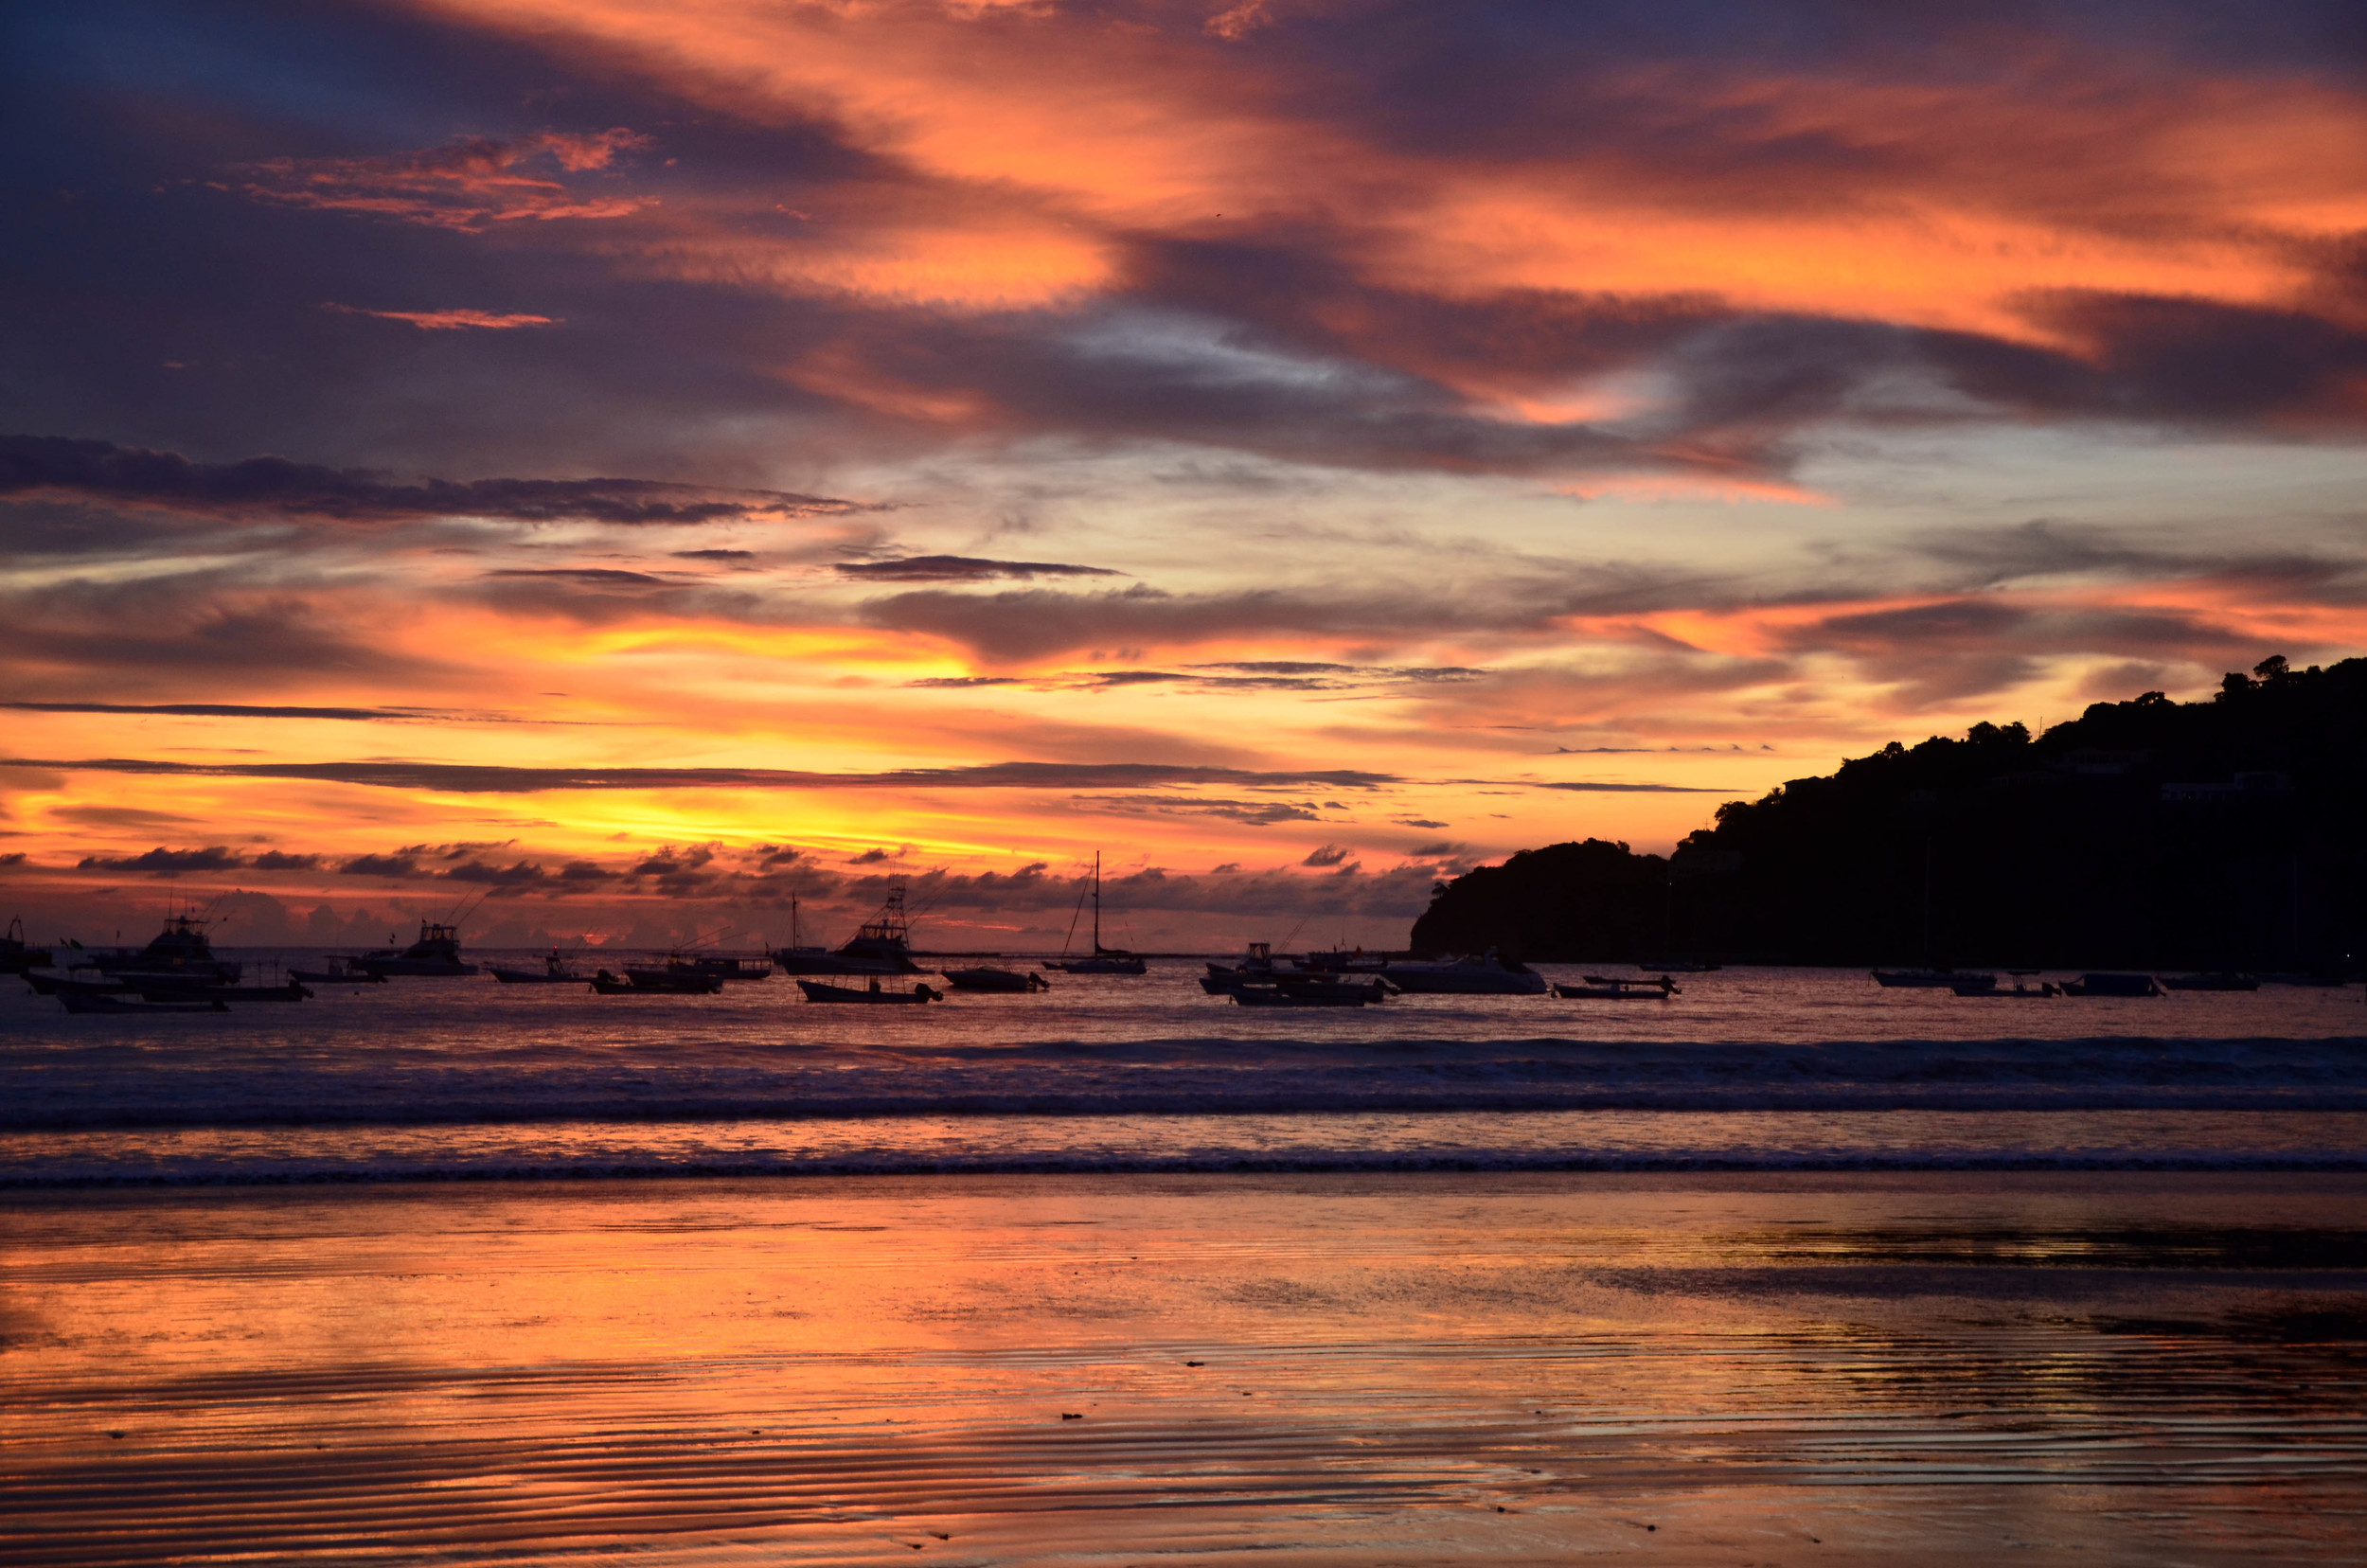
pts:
pixel 477 778
pixel 103 472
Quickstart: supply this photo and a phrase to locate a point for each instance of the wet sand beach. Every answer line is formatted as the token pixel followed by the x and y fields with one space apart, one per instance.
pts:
pixel 1768 1367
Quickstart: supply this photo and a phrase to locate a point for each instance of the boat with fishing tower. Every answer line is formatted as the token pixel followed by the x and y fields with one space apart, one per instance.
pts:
pixel 882 945
pixel 180 949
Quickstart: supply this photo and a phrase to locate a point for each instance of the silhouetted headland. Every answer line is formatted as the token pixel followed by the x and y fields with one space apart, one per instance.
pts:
pixel 2229 834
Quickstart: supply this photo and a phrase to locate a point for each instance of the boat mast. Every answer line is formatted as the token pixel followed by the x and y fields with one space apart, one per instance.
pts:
pixel 1097 900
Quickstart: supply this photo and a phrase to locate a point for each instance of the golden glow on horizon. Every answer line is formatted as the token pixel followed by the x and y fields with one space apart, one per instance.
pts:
pixel 1274 432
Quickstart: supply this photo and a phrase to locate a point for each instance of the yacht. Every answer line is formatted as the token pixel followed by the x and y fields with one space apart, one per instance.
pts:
pixel 882 945
pixel 437 953
pixel 1485 975
pixel 1104 960
pixel 181 948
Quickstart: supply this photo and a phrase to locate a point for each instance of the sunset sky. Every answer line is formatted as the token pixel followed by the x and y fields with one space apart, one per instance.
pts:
pixel 648 460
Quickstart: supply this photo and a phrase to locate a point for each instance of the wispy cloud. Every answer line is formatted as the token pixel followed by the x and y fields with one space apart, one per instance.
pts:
pixel 452 320
pixel 465 184
pixel 479 778
pixel 948 568
pixel 101 470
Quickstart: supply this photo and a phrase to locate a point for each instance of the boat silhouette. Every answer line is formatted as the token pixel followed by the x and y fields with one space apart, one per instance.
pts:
pixel 15 956
pixel 821 991
pixel 1105 960
pixel 882 945
pixel 181 948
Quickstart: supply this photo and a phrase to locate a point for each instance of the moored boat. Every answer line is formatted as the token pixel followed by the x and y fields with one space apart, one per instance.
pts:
pixel 882 945
pixel 1104 960
pixel 341 971
pixel 818 990
pixel 435 955
pixel 181 948
pixel 115 1002
pixel 2112 985
pixel 1930 979
pixel 2222 980
pixel 1483 974
pixel 62 985
pixel 647 982
pixel 553 973
pixel 1600 988
pixel 171 988
pixel 986 978
pixel 1309 992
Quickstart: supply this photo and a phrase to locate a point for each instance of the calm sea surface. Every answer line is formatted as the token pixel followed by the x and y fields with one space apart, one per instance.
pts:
pixel 1786 1268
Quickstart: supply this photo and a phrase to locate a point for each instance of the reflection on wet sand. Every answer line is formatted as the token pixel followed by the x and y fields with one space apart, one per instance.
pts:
pixel 1320 1369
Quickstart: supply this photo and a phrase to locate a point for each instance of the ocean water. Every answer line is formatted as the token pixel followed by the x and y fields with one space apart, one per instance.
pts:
pixel 1743 1069
pixel 1786 1270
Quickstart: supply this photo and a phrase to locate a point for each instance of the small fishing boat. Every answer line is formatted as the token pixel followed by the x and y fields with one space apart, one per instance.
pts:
pixel 1607 989
pixel 1930 979
pixel 553 973
pixel 654 983
pixel 2020 987
pixel 991 979
pixel 1310 992
pixel 1484 975
pixel 107 1002
pixel 818 990
pixel 1105 960
pixel 172 989
pixel 719 969
pixel 341 971
pixel 2222 980
pixel 2112 985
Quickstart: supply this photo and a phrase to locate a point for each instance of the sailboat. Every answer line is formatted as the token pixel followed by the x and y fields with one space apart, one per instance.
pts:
pixel 1104 960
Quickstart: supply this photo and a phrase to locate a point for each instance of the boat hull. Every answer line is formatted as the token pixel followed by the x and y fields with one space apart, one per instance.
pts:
pixel 658 985
pixel 114 1003
pixel 817 991
pixel 1306 996
pixel 289 991
pixel 420 968
pixel 2210 982
pixel 1611 993
pixel 857 964
pixel 998 981
pixel 1929 979
pixel 531 977
pixel 59 985
pixel 1469 978
pixel 1101 966
pixel 2112 985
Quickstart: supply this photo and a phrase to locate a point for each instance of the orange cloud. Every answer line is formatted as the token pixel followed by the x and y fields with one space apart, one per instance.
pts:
pixel 446 321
